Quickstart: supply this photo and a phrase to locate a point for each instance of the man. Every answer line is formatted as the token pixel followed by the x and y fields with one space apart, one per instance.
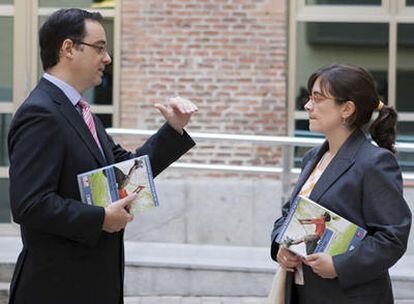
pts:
pixel 73 252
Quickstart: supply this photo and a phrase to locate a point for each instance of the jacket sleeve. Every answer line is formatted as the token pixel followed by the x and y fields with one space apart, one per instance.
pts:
pixel 36 154
pixel 387 218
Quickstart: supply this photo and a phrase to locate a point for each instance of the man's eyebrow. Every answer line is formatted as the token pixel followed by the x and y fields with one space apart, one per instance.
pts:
pixel 100 42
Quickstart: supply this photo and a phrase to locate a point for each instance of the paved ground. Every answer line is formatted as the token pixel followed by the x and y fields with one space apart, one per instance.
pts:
pixel 194 300
pixel 199 300
pixel 183 300
pixel 209 300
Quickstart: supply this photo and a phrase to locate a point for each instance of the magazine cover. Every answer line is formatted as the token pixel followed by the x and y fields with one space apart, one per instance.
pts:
pixel 311 228
pixel 105 185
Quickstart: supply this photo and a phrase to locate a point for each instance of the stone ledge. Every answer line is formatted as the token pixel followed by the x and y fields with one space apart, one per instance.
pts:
pixel 203 257
pixel 201 270
pixel 190 256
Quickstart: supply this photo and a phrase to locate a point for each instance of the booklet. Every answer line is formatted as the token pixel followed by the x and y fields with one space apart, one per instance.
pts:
pixel 310 228
pixel 108 184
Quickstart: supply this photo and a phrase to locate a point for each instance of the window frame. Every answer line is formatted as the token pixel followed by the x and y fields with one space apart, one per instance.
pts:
pixel 25 16
pixel 390 12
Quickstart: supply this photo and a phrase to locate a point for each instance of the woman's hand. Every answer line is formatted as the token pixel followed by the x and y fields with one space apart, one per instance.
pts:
pixel 287 260
pixel 322 265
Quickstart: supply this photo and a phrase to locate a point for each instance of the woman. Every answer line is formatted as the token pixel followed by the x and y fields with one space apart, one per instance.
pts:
pixel 355 179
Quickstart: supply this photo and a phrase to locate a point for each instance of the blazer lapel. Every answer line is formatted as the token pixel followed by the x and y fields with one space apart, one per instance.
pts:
pixel 342 161
pixel 74 119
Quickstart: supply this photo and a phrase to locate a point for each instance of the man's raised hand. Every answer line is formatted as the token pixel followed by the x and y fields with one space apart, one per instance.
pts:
pixel 177 111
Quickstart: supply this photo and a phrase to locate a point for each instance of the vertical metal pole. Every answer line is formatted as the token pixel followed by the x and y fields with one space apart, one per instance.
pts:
pixel 287 169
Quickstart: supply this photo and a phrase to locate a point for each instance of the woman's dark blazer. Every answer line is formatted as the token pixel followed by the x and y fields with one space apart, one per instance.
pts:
pixel 363 184
pixel 66 257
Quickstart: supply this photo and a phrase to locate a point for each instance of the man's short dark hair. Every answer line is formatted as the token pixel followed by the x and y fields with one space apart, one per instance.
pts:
pixel 62 24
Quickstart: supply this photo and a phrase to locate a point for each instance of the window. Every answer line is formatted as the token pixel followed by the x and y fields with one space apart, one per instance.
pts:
pixel 4 201
pixel 20 67
pixel 6 61
pixel 343 2
pixel 377 35
pixel 6 98
pixel 102 97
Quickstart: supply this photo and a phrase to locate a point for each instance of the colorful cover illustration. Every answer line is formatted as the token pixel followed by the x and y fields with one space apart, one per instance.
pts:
pixel 105 185
pixel 310 228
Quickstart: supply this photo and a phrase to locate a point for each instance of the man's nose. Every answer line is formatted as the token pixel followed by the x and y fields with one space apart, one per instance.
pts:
pixel 107 59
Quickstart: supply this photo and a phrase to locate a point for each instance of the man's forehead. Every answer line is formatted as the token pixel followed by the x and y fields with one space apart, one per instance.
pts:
pixel 95 31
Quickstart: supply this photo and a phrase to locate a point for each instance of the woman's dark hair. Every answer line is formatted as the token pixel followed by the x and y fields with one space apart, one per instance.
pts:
pixel 62 24
pixel 353 83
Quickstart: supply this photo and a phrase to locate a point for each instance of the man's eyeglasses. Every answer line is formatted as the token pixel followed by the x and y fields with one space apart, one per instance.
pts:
pixel 101 49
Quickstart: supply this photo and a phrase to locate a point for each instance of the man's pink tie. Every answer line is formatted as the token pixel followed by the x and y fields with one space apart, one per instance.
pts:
pixel 87 117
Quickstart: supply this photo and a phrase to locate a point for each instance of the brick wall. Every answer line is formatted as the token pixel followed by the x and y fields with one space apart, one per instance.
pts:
pixel 228 56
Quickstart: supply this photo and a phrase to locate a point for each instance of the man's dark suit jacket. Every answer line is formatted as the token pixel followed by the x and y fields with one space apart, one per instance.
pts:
pixel 363 184
pixel 66 257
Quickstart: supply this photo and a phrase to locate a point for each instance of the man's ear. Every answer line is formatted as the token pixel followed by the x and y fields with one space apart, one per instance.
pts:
pixel 348 109
pixel 67 48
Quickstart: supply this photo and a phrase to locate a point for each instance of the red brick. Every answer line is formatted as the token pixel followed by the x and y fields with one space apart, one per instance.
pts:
pixel 228 56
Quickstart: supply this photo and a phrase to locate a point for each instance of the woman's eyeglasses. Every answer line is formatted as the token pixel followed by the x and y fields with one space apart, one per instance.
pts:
pixel 317 97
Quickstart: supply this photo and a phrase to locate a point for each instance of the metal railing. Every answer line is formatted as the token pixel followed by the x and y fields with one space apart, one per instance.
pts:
pixel 287 143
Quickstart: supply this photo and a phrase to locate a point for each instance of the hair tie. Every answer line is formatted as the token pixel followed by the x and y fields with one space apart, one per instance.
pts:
pixel 380 105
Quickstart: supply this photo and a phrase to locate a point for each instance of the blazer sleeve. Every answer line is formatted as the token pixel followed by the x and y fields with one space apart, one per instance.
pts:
pixel 36 154
pixel 274 247
pixel 387 218
pixel 163 148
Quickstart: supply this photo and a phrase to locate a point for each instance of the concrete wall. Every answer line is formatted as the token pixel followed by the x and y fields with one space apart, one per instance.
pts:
pixel 219 212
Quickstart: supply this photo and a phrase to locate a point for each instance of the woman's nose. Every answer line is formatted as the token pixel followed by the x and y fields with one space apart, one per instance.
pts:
pixel 308 105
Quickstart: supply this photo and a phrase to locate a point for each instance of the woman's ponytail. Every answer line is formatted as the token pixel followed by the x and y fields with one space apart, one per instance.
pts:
pixel 383 129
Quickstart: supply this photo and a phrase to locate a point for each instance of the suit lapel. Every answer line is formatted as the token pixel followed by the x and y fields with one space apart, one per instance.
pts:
pixel 75 120
pixel 103 139
pixel 342 161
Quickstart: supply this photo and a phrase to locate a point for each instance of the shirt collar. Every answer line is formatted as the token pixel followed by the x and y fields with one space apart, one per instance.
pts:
pixel 67 89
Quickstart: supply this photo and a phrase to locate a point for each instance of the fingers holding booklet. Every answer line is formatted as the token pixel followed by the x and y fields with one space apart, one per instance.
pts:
pixel 287 259
pixel 117 214
pixel 124 189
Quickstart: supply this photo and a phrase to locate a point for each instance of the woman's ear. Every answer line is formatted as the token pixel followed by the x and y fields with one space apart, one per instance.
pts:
pixel 348 109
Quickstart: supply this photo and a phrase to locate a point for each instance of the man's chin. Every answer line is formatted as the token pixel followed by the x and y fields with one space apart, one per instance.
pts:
pixel 98 81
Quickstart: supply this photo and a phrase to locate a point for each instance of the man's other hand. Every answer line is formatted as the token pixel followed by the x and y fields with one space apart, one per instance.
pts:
pixel 116 214
pixel 177 112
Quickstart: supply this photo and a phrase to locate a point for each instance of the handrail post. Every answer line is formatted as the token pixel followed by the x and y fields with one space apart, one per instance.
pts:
pixel 287 159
